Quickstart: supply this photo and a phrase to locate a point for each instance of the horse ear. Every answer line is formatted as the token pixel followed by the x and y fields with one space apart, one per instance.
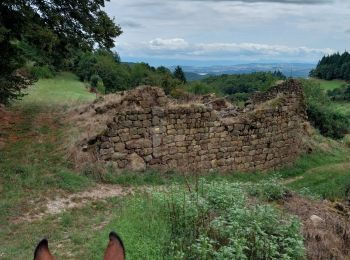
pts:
pixel 42 251
pixel 115 249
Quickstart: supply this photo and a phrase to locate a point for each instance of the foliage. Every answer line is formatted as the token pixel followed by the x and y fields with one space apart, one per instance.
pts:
pixel 340 94
pixel 42 72
pixel 12 87
pixel 179 74
pixel 48 33
pixel 269 189
pixel 215 221
pixel 118 76
pixel 331 123
pixel 239 87
pixel 200 88
pixel 35 163
pixel 335 66
pixel 94 80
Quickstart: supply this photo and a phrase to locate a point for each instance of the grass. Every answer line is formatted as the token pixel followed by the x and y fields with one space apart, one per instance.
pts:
pixel 33 167
pixel 329 182
pixel 64 89
pixel 340 106
pixel 33 159
pixel 69 233
pixel 330 84
pixel 143 230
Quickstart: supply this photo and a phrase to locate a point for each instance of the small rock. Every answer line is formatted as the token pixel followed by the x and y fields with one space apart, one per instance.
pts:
pixel 316 220
pixel 136 163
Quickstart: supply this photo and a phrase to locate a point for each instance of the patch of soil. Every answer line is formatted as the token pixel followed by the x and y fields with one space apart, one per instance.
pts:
pixel 327 238
pixel 62 203
pixel 8 120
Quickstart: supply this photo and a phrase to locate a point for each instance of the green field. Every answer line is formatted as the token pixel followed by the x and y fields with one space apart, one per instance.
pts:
pixel 64 89
pixel 330 84
pixel 35 169
pixel 340 106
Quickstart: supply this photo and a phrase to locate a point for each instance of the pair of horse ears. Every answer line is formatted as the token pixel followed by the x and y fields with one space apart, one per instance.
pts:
pixel 115 249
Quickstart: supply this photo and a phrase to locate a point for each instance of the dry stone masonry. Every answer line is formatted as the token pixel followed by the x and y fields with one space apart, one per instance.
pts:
pixel 150 130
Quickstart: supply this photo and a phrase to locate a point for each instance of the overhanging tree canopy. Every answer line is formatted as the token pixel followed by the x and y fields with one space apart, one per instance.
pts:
pixel 48 32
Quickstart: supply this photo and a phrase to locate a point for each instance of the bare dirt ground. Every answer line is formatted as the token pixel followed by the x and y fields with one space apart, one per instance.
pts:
pixel 8 120
pixel 327 236
pixel 62 202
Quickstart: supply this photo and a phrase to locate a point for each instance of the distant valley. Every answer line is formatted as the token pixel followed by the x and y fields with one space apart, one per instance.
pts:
pixel 289 69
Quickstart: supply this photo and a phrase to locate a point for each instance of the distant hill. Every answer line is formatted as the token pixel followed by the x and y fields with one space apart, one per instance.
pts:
pixel 192 76
pixel 289 69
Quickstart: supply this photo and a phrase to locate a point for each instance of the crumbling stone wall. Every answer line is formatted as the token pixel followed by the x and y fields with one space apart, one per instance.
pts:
pixel 152 131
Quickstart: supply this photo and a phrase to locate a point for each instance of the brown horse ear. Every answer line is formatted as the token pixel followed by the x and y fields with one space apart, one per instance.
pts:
pixel 115 249
pixel 42 251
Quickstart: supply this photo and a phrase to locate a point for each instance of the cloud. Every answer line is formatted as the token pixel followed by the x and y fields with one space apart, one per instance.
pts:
pixel 153 3
pixel 180 48
pixel 302 2
pixel 251 30
pixel 168 44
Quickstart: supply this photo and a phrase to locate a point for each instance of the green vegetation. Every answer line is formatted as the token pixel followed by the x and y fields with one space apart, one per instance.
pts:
pixel 216 221
pixel 335 66
pixel 116 76
pixel 48 34
pixel 64 89
pixel 215 217
pixel 330 84
pixel 322 113
pixel 340 94
pixel 31 161
pixel 236 87
pixel 179 74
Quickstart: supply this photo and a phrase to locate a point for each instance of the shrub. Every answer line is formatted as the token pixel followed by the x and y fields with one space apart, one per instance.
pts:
pixel 42 72
pixel 340 94
pixel 200 88
pixel 216 221
pixel 269 189
pixel 94 80
pixel 320 113
pixel 330 123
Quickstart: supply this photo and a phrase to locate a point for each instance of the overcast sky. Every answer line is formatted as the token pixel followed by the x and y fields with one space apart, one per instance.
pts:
pixel 213 32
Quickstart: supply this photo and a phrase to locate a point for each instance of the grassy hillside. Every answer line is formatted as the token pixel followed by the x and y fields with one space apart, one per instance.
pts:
pixel 64 89
pixel 35 171
pixel 340 106
pixel 330 84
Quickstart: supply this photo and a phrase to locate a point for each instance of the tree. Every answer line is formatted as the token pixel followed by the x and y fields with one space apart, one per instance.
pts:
pixel 48 32
pixel 333 66
pixel 179 74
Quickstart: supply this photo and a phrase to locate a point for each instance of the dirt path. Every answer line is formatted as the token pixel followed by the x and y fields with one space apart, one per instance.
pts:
pixel 61 203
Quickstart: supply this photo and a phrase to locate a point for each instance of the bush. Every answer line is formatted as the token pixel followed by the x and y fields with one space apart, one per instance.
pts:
pixel 330 123
pixel 42 72
pixel 340 94
pixel 269 189
pixel 200 88
pixel 216 221
pixel 320 113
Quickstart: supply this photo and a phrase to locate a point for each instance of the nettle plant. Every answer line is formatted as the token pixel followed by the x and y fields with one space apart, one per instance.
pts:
pixel 218 221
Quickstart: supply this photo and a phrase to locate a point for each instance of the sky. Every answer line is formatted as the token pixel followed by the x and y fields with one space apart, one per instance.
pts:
pixel 228 32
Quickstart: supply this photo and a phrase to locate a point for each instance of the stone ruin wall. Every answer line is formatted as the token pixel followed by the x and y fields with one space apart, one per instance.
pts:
pixel 154 132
